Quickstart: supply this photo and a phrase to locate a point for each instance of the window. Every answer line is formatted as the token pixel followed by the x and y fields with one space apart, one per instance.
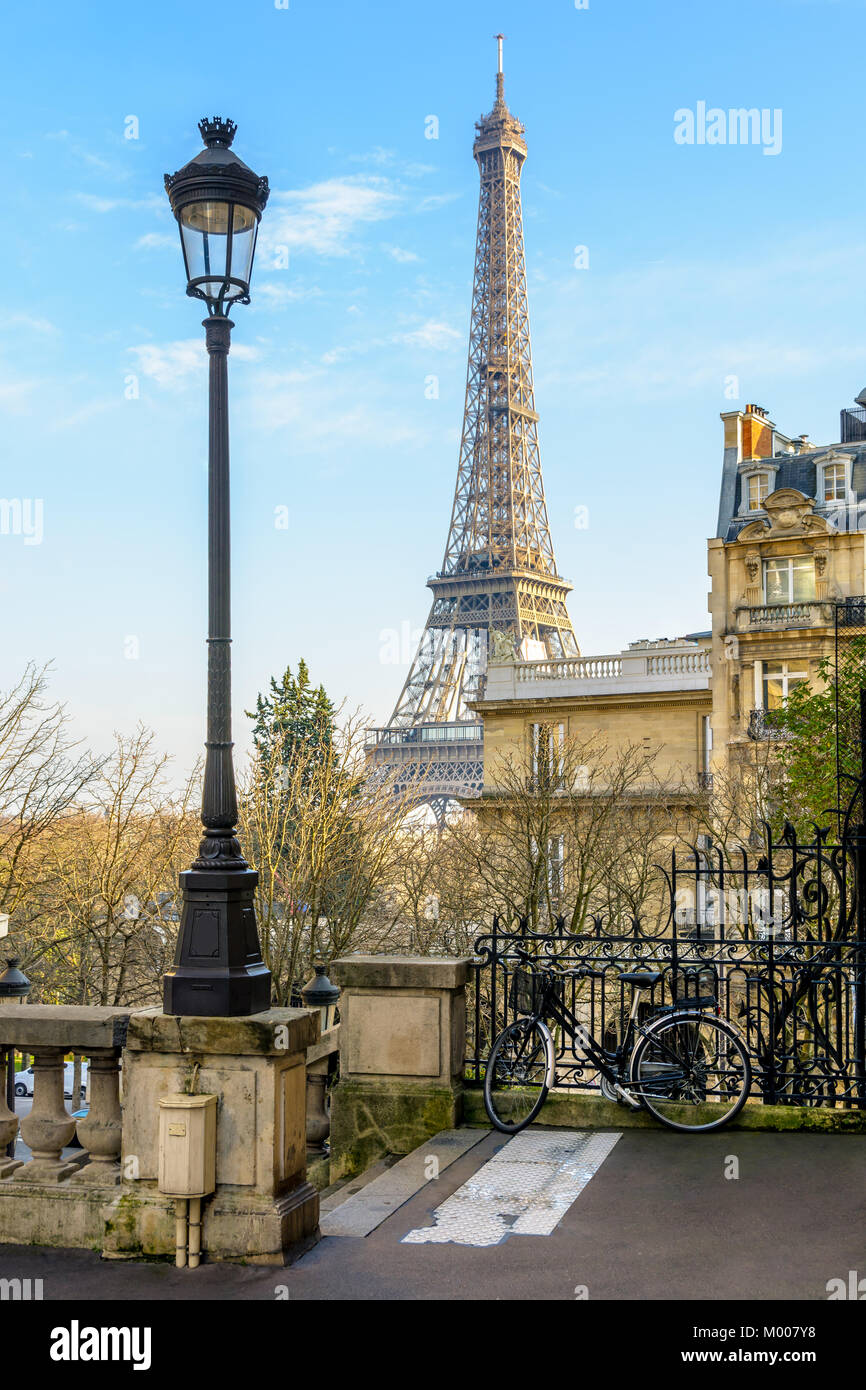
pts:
pixel 548 763
pixel 556 865
pixel 706 749
pixel 834 482
pixel 789 581
pixel 757 491
pixel 778 682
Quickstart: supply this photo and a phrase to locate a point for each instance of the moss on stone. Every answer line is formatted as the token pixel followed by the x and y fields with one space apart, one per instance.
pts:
pixel 577 1111
pixel 371 1119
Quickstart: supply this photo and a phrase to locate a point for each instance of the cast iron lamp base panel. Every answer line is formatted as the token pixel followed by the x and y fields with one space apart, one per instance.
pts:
pixel 218 971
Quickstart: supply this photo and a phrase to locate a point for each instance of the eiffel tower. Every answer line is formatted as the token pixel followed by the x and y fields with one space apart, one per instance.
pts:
pixel 498 582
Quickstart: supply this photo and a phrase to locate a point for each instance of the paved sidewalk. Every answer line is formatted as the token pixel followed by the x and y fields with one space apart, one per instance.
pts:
pixel 657 1218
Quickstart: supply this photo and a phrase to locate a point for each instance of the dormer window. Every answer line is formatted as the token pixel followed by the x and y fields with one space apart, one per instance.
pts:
pixel 835 482
pixel 758 487
pixel 757 481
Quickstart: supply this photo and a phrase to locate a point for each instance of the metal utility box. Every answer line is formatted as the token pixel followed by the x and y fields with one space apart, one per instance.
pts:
pixel 187 1145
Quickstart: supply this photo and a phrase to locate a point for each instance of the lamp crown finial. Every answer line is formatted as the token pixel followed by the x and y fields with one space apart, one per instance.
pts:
pixel 216 131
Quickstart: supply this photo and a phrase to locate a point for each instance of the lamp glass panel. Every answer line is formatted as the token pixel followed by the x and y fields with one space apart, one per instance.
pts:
pixel 244 228
pixel 204 228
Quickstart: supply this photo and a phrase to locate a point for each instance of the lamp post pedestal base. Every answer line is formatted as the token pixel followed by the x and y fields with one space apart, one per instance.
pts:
pixel 218 970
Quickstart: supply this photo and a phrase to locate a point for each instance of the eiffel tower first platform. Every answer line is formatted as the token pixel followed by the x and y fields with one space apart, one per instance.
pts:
pixel 498 588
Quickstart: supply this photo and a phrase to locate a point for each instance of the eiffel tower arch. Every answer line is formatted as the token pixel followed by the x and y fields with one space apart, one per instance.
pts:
pixel 498 583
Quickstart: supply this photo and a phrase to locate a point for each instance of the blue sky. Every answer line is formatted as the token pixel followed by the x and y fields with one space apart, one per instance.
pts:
pixel 705 262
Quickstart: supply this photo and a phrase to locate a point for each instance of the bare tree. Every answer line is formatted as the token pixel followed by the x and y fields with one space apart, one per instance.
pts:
pixel 326 844
pixel 41 774
pixel 576 829
pixel 107 928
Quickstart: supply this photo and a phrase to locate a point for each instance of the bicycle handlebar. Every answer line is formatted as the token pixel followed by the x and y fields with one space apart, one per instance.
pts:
pixel 577 972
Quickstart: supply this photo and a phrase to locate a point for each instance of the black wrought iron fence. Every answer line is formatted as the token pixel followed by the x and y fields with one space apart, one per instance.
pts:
pixel 774 938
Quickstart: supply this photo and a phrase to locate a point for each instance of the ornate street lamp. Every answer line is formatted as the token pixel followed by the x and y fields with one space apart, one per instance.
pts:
pixel 319 993
pixel 218 970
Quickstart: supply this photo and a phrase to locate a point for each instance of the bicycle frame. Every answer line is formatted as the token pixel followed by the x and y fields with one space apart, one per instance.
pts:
pixel 553 1008
pixel 559 1012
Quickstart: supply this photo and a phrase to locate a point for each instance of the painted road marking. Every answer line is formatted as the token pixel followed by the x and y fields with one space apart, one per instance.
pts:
pixel 525 1189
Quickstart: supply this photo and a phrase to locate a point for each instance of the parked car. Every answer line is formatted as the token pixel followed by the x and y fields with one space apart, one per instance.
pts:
pixel 24 1080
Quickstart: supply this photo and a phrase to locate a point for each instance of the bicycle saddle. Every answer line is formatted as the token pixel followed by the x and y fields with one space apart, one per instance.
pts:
pixel 642 979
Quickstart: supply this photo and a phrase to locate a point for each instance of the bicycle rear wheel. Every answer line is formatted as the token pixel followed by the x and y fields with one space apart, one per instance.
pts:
pixel 519 1074
pixel 692 1072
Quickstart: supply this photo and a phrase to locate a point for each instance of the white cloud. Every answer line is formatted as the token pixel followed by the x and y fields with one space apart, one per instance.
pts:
pixel 29 321
pixel 322 409
pixel 171 365
pixel 325 218
pixel 273 293
pixel 153 241
pixel 102 204
pixel 437 200
pixel 15 396
pixel 399 254
pixel 433 334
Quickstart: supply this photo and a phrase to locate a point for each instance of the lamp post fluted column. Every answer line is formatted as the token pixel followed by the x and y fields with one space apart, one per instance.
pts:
pixel 219 808
pixel 218 969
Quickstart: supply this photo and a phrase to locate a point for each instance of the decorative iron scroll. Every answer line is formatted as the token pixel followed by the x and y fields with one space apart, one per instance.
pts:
pixel 774 936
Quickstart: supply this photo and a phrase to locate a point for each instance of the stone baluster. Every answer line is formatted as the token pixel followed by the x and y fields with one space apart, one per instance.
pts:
pixel 318 1116
pixel 100 1130
pixel 8 1127
pixel 49 1127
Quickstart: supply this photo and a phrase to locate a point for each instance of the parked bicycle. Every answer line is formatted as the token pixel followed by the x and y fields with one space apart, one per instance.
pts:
pixel 684 1064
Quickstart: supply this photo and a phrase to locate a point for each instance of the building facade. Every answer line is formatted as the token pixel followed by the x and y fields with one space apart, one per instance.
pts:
pixel 790 546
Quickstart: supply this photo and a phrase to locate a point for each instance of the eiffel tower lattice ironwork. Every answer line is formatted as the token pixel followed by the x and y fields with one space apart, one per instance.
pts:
pixel 498 584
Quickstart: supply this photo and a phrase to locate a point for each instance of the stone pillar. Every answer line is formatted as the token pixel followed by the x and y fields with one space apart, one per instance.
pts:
pixel 49 1126
pixel 100 1131
pixel 402 1045
pixel 264 1211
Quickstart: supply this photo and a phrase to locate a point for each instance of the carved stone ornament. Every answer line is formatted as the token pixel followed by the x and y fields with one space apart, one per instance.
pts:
pixel 501 647
pixel 789 513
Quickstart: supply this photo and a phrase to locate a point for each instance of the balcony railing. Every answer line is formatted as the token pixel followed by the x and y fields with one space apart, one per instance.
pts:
pixel 570 668
pixel 808 613
pixel 761 725
pixel 852 424
pixel 425 733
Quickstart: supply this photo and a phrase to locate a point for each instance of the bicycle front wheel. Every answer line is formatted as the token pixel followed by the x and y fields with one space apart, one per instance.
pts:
pixel 519 1074
pixel 692 1072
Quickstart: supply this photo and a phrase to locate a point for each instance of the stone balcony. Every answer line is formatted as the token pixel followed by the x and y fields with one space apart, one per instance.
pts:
pixel 777 617
pixel 642 668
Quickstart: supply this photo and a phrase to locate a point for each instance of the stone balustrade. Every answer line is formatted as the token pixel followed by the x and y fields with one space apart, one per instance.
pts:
pixel 49 1032
pixel 269 1073
pixel 644 666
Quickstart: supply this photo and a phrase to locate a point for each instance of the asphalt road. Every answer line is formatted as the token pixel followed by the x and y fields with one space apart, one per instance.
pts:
pixel 659 1220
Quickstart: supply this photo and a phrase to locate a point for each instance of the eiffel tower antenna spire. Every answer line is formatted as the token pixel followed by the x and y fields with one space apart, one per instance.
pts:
pixel 500 76
pixel 498 586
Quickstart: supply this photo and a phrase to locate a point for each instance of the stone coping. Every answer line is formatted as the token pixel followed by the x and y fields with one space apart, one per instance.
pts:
pixel 267 1034
pixel 401 972
pixel 575 1111
pixel 76 1027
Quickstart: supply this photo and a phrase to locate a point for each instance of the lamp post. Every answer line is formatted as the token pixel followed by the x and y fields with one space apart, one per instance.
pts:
pixel 14 988
pixel 319 993
pixel 218 971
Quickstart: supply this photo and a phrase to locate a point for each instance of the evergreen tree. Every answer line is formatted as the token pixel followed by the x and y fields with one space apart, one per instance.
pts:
pixel 294 713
